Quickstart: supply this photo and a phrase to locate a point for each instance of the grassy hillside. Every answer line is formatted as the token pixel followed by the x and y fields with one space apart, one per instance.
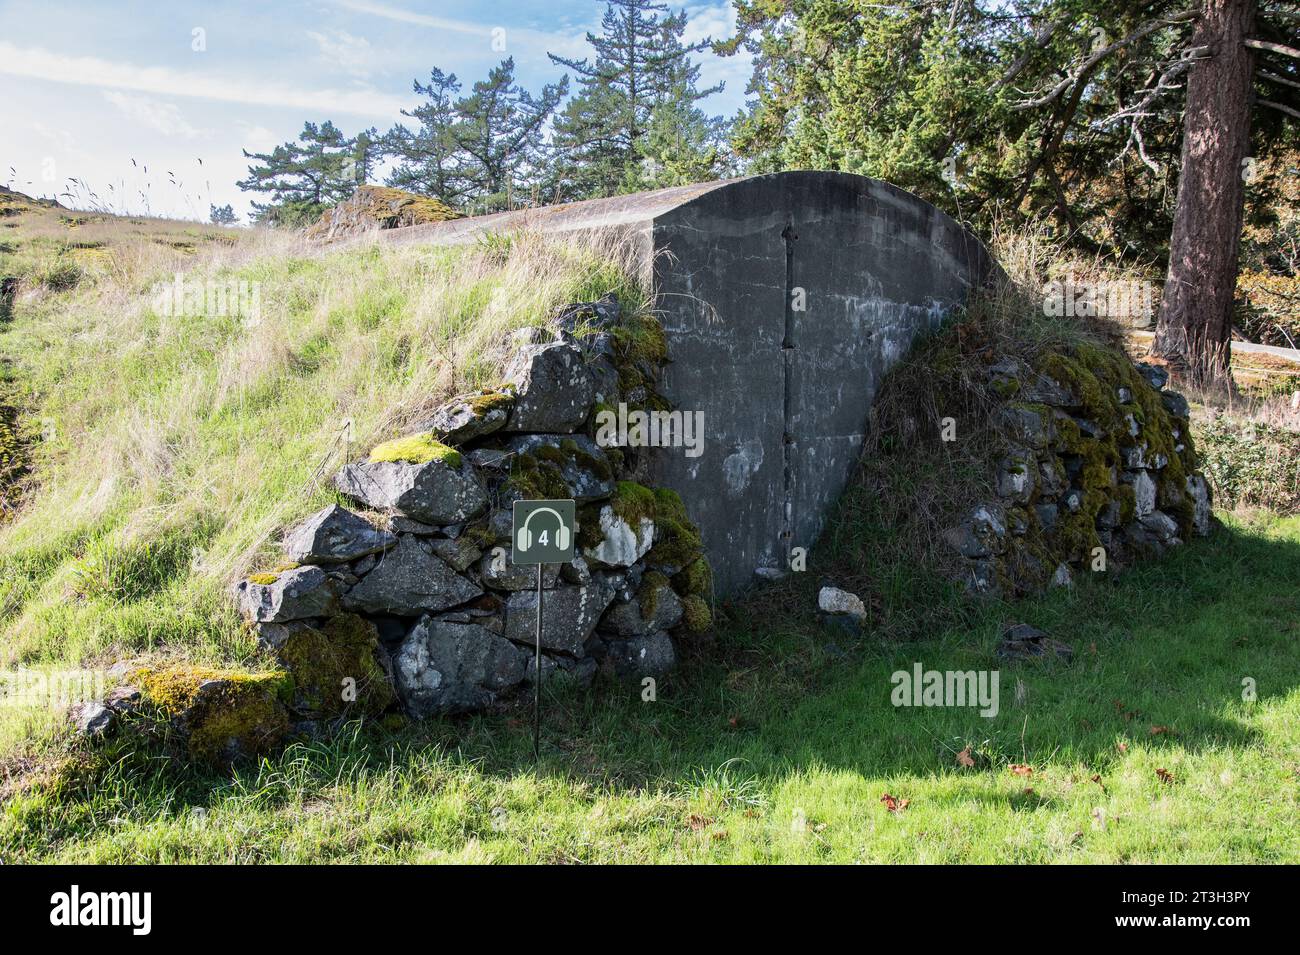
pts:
pixel 172 446
pixel 162 452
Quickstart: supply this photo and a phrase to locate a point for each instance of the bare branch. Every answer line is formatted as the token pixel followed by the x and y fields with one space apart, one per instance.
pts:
pixel 1265 75
pixel 1280 107
pixel 1041 38
pixel 1165 84
pixel 1087 65
pixel 1272 47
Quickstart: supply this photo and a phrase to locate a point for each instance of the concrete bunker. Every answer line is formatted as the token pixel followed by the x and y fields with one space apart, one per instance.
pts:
pixel 785 299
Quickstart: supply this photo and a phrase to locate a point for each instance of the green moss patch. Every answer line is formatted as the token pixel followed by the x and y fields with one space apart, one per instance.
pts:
pixel 336 669
pixel 416 449
pixel 221 715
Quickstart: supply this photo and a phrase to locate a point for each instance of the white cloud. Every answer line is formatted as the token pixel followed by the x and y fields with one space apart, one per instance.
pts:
pixel 514 38
pixel 36 63
pixel 399 15
pixel 257 139
pixel 163 117
pixel 352 54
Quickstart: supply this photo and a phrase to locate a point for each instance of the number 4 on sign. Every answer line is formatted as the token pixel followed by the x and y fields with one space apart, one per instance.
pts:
pixel 543 533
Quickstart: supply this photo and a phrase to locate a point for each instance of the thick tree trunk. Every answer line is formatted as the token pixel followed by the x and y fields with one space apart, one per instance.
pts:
pixel 1195 320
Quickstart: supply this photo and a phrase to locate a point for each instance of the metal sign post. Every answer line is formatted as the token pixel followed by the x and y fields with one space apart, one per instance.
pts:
pixel 543 533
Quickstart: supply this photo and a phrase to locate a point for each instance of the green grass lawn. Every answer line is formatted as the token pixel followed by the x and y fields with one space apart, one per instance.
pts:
pixel 777 744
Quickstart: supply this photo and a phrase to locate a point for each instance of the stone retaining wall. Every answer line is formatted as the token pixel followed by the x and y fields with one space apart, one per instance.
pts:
pixel 419 560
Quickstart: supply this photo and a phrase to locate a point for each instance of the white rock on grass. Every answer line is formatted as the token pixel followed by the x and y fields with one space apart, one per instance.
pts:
pixel 833 600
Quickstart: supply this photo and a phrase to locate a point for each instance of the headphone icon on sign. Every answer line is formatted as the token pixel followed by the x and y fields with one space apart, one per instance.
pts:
pixel 525 540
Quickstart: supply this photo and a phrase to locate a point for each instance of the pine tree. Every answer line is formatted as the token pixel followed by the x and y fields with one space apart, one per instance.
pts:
pixel 481 151
pixel 304 177
pixel 641 77
pixel 429 156
pixel 501 132
pixel 222 215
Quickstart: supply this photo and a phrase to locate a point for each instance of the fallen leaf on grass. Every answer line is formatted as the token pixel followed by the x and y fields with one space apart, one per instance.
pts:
pixel 1021 769
pixel 1162 731
pixel 1165 775
pixel 964 758
pixel 893 804
pixel 718 835
pixel 698 822
pixel 1097 779
pixel 1123 747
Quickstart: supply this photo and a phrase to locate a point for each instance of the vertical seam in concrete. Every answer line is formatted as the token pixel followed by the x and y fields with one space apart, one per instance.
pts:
pixel 787 385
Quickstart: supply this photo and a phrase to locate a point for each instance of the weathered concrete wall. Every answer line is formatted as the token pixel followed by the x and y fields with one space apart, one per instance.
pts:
pixel 786 298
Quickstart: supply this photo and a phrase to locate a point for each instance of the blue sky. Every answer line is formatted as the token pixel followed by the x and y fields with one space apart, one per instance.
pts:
pixel 87 87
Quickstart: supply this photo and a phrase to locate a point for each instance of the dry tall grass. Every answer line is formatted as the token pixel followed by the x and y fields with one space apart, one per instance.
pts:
pixel 177 445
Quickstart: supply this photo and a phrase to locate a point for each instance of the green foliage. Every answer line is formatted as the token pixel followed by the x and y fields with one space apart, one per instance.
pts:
pixel 990 111
pixel 635 124
pixel 1250 465
pixel 479 151
pixel 305 177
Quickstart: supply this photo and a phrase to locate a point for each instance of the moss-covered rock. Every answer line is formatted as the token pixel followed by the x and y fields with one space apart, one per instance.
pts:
pixel 416 449
pixel 219 716
pixel 337 669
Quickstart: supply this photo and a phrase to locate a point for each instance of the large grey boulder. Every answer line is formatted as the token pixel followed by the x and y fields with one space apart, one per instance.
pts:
pixel 505 574
pixel 467 417
pixel 1016 477
pixel 620 544
pixel 434 492
pixel 655 607
pixel 650 654
pixel 983 534
pixel 409 581
pixel 334 535
pixel 569 615
pixel 1144 494
pixel 291 595
pixel 580 462
pixel 554 390
pixel 444 667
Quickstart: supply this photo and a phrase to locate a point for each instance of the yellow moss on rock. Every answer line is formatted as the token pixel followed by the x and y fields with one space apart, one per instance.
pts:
pixel 416 449
pixel 221 714
pixel 696 614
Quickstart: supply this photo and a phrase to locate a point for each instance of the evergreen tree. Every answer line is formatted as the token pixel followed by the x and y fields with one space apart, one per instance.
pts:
pixel 501 132
pixel 429 159
pixel 304 177
pixel 222 215
pixel 640 82
pixel 481 151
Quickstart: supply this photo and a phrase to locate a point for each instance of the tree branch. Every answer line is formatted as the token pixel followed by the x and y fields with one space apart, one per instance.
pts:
pixel 1272 47
pixel 1087 65
pixel 1279 107
pixel 1041 39
pixel 1265 75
